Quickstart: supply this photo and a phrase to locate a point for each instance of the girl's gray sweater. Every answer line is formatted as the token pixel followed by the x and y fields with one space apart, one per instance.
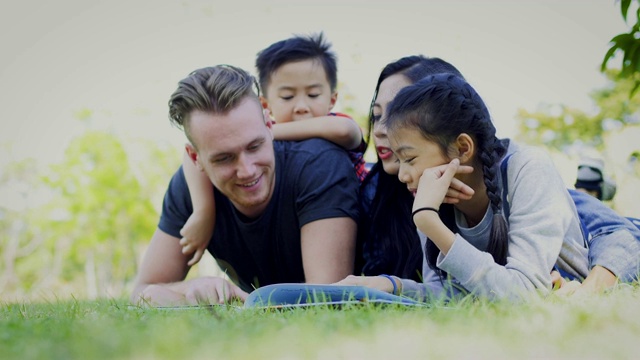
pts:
pixel 544 230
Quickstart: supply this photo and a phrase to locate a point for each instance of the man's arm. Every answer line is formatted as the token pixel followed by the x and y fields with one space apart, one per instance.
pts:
pixel 328 249
pixel 161 274
pixel 163 263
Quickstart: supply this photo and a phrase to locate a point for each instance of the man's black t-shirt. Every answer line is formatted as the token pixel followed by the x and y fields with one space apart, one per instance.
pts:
pixel 314 180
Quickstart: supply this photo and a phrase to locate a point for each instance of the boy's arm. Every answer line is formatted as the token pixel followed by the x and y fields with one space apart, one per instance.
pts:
pixel 199 228
pixel 340 130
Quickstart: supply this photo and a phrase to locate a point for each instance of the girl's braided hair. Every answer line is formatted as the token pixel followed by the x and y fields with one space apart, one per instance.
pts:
pixel 441 107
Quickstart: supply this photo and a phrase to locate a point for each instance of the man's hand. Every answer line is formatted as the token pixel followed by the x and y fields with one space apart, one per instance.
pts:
pixel 212 290
pixel 200 291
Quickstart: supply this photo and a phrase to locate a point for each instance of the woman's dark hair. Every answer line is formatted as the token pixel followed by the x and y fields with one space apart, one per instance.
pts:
pixel 441 107
pixel 386 234
pixel 414 68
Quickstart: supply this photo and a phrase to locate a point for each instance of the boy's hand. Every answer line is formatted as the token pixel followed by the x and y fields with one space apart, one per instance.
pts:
pixel 267 116
pixel 196 233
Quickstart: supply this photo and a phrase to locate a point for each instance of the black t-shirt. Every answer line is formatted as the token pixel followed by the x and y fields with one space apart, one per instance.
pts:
pixel 314 180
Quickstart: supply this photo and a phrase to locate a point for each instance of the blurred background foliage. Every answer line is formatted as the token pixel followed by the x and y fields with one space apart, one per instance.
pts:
pixel 100 208
pixel 560 127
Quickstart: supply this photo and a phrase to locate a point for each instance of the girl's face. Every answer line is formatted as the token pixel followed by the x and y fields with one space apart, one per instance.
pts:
pixel 415 154
pixel 389 87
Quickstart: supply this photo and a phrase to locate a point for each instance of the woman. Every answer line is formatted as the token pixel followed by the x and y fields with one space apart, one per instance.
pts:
pixel 387 236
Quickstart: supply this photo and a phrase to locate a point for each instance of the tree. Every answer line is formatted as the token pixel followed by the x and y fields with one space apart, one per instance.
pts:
pixel 100 211
pixel 610 134
pixel 104 211
pixel 20 237
pixel 629 45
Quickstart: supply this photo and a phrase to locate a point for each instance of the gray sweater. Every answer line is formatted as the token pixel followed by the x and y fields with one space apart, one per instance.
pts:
pixel 544 230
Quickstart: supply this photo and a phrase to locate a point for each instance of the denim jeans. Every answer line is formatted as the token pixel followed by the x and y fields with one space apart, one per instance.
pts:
pixel 613 240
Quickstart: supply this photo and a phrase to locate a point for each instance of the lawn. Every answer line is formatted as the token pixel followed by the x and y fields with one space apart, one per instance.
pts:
pixel 600 327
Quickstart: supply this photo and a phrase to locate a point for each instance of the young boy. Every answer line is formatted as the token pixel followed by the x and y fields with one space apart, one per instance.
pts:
pixel 298 78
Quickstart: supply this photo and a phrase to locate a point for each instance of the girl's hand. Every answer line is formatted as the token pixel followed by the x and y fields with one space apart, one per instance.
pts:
pixel 438 185
pixel 375 282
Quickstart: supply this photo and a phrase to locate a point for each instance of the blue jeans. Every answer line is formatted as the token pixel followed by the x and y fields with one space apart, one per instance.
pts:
pixel 613 240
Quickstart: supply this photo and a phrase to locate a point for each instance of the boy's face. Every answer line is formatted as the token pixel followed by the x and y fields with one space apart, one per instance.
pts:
pixel 299 90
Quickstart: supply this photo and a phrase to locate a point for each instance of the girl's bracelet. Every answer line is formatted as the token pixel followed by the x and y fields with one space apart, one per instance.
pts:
pixel 393 282
pixel 426 208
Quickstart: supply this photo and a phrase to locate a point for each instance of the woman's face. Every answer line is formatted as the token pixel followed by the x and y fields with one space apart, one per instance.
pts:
pixel 389 87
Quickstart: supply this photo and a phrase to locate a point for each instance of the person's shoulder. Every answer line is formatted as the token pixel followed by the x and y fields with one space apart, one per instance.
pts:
pixel 524 154
pixel 178 179
pixel 530 161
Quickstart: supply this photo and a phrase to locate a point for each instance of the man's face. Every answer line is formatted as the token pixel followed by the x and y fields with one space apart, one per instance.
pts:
pixel 299 90
pixel 235 150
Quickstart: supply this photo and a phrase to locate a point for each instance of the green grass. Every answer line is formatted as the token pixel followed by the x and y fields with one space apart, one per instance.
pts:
pixel 599 327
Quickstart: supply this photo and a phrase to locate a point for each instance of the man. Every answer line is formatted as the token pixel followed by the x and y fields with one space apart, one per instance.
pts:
pixel 284 210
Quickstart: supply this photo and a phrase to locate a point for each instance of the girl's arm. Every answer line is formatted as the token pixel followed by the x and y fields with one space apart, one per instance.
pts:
pixel 198 229
pixel 541 218
pixel 340 130
pixel 431 289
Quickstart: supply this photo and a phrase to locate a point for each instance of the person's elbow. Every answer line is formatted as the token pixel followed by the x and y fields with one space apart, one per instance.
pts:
pixel 351 138
pixel 138 294
pixel 347 134
pixel 145 293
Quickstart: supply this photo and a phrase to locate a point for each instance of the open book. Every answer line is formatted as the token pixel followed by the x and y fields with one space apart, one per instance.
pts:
pixel 301 295
pixel 294 295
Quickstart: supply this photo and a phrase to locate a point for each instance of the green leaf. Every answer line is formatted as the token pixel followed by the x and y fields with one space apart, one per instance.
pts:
pixel 636 61
pixel 624 7
pixel 623 40
pixel 607 56
pixel 635 88
pixel 628 65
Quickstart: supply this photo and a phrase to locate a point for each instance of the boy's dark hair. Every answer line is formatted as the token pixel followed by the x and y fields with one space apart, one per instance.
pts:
pixel 297 48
